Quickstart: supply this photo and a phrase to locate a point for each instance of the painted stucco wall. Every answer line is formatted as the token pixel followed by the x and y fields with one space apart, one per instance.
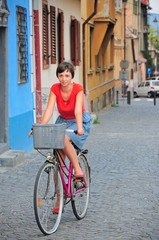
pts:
pixel 48 76
pixel 20 96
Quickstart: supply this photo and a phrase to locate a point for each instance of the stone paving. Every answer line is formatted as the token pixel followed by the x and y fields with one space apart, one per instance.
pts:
pixel 124 202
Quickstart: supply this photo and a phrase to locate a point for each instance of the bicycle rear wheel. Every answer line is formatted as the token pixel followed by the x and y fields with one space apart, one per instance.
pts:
pixel 81 191
pixel 48 186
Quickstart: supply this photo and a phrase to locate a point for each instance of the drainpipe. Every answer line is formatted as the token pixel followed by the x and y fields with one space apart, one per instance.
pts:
pixel 37 63
pixel 84 50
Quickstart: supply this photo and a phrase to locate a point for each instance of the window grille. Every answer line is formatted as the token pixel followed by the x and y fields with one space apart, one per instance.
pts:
pixel 22 44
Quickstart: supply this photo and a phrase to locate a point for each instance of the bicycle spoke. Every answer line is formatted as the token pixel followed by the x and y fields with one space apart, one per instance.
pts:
pixel 46 197
pixel 80 191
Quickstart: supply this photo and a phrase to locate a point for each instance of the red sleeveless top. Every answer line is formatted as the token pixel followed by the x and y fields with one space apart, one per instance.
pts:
pixel 66 108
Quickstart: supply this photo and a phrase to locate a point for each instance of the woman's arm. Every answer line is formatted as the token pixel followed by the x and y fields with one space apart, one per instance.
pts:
pixel 78 112
pixel 49 110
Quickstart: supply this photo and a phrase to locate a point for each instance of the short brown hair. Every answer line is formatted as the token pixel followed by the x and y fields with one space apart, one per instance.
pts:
pixel 65 66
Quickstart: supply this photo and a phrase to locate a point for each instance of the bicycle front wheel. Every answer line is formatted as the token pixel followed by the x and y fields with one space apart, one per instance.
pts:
pixel 81 190
pixel 48 195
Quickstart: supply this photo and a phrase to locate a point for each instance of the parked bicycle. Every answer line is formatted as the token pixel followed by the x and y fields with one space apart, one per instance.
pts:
pixel 55 181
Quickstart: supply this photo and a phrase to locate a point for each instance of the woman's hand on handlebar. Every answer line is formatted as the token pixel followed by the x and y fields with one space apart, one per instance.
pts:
pixel 30 133
pixel 80 132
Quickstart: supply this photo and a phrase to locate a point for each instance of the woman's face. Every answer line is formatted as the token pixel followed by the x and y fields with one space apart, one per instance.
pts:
pixel 65 78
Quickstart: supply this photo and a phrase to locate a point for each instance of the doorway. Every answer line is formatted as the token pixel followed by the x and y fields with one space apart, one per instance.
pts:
pixel 3 89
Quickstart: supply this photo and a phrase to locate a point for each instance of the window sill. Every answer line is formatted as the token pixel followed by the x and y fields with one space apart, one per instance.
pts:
pixel 98 69
pixel 91 71
pixel 104 68
pixel 111 67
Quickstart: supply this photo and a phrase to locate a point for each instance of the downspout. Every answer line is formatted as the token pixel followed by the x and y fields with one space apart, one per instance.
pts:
pixel 37 63
pixel 84 41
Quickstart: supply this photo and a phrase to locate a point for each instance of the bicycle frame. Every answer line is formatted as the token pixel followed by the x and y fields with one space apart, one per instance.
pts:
pixel 69 175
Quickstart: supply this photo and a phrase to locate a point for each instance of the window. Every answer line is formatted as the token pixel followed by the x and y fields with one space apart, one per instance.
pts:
pixel 53 34
pixel 45 36
pixel 118 5
pixel 135 6
pixel 60 35
pixel 22 44
pixel 147 84
pixel 112 50
pixel 90 51
pixel 132 73
pixel 104 100
pixel 75 41
pixel 98 61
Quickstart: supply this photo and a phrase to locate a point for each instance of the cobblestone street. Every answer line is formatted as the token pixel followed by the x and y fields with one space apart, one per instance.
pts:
pixel 124 201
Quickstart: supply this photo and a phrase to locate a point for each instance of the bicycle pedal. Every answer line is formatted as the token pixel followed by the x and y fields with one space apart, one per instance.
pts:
pixel 78 180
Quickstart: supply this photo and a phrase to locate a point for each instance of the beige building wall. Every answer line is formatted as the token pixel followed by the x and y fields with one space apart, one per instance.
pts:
pixel 118 47
pixel 48 76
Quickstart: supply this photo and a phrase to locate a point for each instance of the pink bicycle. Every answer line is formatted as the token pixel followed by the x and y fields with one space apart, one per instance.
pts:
pixel 56 181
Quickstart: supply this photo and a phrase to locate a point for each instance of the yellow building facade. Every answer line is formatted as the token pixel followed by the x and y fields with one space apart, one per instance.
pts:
pixel 98 20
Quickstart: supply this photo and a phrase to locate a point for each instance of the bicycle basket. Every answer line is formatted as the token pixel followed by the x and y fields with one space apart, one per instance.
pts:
pixel 49 136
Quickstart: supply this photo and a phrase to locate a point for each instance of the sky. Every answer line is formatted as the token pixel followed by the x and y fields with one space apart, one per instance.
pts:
pixel 154 4
pixel 154 13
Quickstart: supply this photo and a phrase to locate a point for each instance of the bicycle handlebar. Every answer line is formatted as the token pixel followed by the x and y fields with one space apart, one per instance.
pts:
pixel 71 131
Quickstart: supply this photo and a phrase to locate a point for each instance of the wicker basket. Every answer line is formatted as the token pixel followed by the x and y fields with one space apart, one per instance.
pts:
pixel 49 136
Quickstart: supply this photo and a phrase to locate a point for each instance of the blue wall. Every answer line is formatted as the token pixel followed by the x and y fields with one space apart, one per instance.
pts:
pixel 21 101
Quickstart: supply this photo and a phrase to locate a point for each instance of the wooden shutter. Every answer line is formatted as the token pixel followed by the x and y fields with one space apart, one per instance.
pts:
pixel 75 41
pixel 78 42
pixel 53 33
pixel 45 37
pixel 61 35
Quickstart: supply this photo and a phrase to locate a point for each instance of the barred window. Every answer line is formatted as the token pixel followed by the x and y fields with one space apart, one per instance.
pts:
pixel 22 44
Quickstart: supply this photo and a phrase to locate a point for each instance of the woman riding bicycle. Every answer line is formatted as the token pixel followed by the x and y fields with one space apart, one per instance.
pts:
pixel 69 99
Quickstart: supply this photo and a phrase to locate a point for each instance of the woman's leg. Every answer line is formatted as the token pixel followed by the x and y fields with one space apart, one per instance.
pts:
pixel 70 152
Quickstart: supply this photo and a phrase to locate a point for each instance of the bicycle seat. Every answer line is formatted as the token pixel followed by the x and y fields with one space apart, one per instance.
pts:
pixel 84 151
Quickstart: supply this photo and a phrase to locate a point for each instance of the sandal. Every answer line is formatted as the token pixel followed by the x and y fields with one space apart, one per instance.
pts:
pixel 55 210
pixel 79 177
